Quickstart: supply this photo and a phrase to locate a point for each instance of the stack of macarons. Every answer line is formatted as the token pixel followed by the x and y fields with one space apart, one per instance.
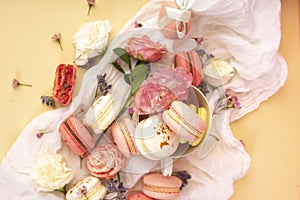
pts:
pixel 76 136
pixel 89 188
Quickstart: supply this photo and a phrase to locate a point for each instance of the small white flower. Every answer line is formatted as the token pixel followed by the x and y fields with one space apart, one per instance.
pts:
pixel 51 173
pixel 91 40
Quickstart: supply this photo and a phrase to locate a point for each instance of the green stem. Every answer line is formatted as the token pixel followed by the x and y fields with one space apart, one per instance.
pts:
pixel 61 48
pixel 24 84
pixel 62 190
pixel 89 10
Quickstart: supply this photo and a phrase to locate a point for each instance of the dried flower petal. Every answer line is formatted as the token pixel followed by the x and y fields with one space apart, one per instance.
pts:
pixel 16 83
pixel 57 37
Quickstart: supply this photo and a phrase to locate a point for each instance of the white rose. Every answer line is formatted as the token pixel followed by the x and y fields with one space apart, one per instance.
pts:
pixel 51 173
pixel 91 40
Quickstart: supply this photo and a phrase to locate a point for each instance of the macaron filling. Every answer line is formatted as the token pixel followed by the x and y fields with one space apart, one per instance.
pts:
pixel 159 189
pixel 75 136
pixel 128 138
pixel 175 116
pixel 101 116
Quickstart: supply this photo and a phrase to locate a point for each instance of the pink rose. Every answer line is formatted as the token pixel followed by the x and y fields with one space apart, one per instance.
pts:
pixel 145 49
pixel 105 161
pixel 159 90
pixel 153 98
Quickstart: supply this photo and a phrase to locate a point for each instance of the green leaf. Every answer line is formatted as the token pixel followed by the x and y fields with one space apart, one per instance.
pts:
pixel 127 78
pixel 118 67
pixel 123 55
pixel 138 75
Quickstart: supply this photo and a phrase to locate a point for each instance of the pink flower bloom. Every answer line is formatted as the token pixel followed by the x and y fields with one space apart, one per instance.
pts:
pixel 145 49
pixel 186 74
pixel 153 98
pixel 16 83
pixel 158 92
pixel 105 161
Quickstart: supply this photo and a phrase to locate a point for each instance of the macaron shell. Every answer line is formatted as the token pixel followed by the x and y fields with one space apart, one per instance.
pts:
pixel 138 196
pixel 186 117
pixel 158 186
pixel 191 62
pixel 100 115
pixel 90 187
pixel 169 30
pixel 154 139
pixel 76 136
pixel 123 133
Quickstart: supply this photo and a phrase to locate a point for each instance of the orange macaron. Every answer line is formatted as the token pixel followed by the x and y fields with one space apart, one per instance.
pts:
pixel 158 186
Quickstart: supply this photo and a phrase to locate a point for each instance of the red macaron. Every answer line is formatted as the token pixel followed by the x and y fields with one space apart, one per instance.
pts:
pixel 158 186
pixel 191 62
pixel 76 136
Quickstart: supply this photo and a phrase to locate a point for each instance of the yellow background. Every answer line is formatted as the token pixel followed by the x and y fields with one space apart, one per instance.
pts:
pixel 271 133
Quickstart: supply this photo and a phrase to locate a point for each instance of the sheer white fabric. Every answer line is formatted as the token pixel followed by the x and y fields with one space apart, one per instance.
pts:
pixel 246 33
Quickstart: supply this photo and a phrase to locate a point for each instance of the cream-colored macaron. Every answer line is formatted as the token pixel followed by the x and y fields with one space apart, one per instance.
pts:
pixel 88 188
pixel 100 115
pixel 154 139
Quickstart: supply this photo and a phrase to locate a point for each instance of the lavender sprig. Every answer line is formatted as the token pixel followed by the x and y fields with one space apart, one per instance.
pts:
pixel 48 100
pixel 184 176
pixel 103 87
pixel 116 189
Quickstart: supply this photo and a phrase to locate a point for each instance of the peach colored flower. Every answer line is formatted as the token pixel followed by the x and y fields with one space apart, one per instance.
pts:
pixel 145 49
pixel 158 91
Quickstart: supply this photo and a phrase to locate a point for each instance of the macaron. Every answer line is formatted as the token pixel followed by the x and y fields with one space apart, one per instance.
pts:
pixel 168 25
pixel 182 120
pixel 154 139
pixel 158 186
pixel 191 62
pixel 76 136
pixel 123 133
pixel 65 77
pixel 88 188
pixel 138 196
pixel 100 115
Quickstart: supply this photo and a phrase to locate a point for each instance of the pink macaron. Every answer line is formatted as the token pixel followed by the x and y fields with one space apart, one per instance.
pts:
pixel 168 25
pixel 76 136
pixel 138 196
pixel 184 121
pixel 191 62
pixel 158 186
pixel 122 133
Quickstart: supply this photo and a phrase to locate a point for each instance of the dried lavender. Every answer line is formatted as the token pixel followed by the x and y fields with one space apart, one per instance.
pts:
pixel 184 176
pixel 227 101
pixel 103 87
pixel 116 189
pixel 48 100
